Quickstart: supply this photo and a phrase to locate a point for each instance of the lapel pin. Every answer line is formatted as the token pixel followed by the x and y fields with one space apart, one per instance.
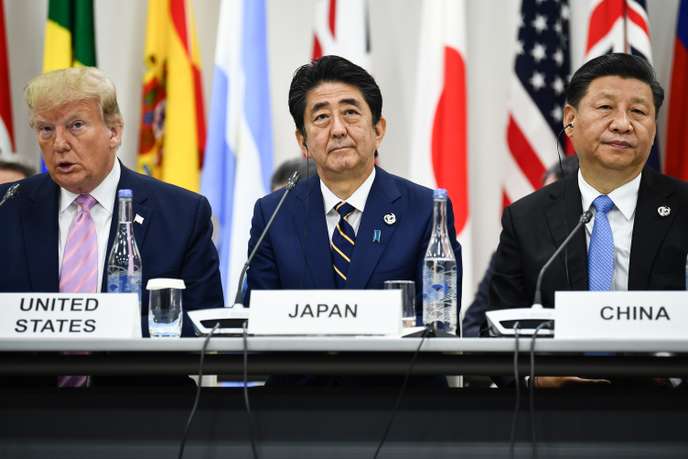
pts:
pixel 663 211
pixel 377 236
pixel 138 219
pixel 390 218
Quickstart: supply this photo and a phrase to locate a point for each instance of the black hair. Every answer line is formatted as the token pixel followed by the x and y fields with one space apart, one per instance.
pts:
pixel 284 171
pixel 614 64
pixel 23 169
pixel 331 69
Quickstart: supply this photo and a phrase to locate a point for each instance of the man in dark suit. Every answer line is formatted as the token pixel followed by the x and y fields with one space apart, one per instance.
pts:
pixel 336 107
pixel 78 125
pixel 639 237
pixel 353 226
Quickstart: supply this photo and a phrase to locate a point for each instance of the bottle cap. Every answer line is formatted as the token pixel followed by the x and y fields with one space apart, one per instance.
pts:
pixel 125 193
pixel 439 193
pixel 160 283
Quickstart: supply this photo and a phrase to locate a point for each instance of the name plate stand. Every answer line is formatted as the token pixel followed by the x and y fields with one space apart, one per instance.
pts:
pixel 621 315
pixel 325 312
pixel 70 315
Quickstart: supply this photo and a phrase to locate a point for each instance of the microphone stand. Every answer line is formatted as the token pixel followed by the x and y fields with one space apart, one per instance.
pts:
pixel 501 322
pixel 232 318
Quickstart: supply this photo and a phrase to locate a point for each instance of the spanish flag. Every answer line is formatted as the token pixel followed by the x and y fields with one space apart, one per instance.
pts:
pixel 70 38
pixel 172 136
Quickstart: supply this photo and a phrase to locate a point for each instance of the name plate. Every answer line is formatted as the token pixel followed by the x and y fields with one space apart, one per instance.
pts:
pixel 621 315
pixel 325 312
pixel 69 315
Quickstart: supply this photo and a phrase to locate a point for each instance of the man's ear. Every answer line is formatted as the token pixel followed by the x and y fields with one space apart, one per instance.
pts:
pixel 380 129
pixel 301 139
pixel 115 135
pixel 569 119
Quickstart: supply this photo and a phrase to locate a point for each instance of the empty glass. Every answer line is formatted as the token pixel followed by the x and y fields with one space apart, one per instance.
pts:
pixel 408 300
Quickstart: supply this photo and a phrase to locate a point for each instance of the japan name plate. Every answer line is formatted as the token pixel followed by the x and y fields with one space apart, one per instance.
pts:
pixel 325 312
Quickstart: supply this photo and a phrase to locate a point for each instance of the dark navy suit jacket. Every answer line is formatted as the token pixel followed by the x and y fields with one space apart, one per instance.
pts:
pixel 295 254
pixel 174 239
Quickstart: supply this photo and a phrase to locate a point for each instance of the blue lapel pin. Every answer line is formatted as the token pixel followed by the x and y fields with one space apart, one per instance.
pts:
pixel 377 235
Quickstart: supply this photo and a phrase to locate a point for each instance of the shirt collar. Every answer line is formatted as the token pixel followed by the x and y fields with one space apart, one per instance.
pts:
pixel 624 197
pixel 357 199
pixel 104 193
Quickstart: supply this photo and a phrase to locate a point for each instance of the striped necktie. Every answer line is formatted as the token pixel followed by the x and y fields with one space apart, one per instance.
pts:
pixel 343 242
pixel 79 273
pixel 601 249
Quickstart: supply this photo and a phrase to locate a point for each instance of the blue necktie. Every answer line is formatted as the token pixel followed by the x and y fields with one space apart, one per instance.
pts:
pixel 601 250
pixel 343 242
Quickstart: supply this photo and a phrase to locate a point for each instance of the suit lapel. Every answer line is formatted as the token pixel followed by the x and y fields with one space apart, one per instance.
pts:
pixel 129 180
pixel 311 229
pixel 652 194
pixel 383 199
pixel 39 216
pixel 562 215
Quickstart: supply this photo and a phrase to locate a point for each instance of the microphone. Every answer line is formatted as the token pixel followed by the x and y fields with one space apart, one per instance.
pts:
pixel 291 183
pixel 582 220
pixel 232 318
pixel 11 192
pixel 502 321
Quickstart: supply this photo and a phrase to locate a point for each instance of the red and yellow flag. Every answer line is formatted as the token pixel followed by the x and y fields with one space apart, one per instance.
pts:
pixel 6 128
pixel 172 136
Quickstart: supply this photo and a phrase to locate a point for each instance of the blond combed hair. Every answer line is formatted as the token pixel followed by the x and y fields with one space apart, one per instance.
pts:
pixel 75 84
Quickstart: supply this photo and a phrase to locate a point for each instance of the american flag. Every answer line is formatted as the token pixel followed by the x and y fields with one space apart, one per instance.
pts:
pixel 542 66
pixel 620 26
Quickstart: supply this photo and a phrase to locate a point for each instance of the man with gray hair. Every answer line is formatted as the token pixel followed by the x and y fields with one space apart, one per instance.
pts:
pixel 78 126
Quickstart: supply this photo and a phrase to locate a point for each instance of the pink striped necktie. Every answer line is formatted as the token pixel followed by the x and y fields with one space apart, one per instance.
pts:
pixel 79 273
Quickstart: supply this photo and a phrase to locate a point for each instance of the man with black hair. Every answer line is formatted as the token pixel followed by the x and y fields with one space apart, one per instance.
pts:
pixel 353 226
pixel 638 239
pixel 337 109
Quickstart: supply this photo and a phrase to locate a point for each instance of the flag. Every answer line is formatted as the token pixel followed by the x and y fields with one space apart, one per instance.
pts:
pixel 620 26
pixel 676 155
pixel 6 127
pixel 70 38
pixel 238 159
pixel 341 28
pixel 439 156
pixel 172 133
pixel 536 96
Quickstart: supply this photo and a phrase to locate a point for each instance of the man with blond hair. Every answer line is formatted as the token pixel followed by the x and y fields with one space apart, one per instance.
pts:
pixel 78 126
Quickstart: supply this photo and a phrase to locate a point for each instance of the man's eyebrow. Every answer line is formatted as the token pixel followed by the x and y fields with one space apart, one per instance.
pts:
pixel 346 101
pixel 350 101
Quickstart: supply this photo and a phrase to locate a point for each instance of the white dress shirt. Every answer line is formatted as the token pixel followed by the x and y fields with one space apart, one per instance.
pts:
pixel 621 219
pixel 357 200
pixel 105 194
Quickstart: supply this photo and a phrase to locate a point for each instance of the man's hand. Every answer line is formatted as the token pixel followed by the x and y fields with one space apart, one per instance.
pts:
pixel 556 382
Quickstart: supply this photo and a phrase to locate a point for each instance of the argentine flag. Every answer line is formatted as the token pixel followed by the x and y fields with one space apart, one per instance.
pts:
pixel 238 156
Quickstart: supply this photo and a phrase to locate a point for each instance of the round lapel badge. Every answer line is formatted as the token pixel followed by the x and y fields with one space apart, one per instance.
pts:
pixel 390 218
pixel 663 211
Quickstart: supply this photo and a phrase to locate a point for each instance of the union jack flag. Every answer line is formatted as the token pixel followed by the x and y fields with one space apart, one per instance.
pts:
pixel 620 26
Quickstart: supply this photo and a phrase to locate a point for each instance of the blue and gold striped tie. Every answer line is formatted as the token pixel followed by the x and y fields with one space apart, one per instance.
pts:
pixel 343 242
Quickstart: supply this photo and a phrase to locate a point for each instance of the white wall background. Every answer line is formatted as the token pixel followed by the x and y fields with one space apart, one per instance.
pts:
pixel 120 30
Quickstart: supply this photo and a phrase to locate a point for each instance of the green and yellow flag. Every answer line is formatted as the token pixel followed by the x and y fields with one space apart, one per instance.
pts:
pixel 70 38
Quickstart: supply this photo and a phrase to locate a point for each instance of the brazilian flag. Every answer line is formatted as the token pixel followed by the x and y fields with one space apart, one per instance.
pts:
pixel 70 38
